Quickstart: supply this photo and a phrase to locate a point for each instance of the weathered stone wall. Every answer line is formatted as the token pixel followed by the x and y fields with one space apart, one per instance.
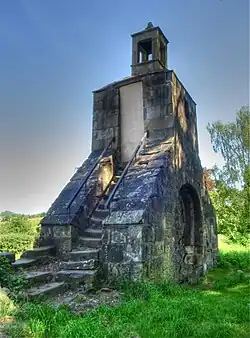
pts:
pixel 61 224
pixel 106 118
pixel 191 260
pixel 135 234
pixel 158 113
pixel 157 110
pixel 149 201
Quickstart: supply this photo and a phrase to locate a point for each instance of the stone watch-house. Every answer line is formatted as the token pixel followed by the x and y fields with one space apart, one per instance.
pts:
pixel 138 206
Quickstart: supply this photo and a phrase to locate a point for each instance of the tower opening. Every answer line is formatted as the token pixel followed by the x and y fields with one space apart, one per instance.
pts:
pixel 144 51
pixel 149 51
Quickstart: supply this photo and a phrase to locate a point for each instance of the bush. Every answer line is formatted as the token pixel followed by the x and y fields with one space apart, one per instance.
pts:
pixel 6 305
pixel 18 233
pixel 16 243
pixel 18 224
pixel 232 279
pixel 234 259
pixel 8 279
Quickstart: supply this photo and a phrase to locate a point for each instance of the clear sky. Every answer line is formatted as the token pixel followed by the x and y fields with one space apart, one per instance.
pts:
pixel 53 53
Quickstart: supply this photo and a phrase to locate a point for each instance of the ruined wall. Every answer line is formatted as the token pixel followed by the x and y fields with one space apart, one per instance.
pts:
pixel 61 224
pixel 134 233
pixel 106 118
pixel 146 231
pixel 157 110
pixel 190 254
pixel 157 103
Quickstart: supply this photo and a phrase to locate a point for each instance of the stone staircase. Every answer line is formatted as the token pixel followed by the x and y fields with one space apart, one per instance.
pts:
pixel 49 276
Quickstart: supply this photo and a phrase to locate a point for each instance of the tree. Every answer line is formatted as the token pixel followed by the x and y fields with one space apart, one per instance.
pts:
pixel 232 182
pixel 232 141
pixel 231 208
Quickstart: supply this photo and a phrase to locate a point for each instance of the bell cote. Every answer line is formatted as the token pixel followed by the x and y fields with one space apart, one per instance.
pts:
pixel 149 50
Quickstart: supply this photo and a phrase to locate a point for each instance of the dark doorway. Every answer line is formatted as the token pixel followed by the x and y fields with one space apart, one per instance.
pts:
pixel 191 216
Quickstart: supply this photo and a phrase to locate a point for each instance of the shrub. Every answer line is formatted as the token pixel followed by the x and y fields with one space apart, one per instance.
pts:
pixel 18 233
pixel 234 259
pixel 8 279
pixel 18 224
pixel 6 305
pixel 16 243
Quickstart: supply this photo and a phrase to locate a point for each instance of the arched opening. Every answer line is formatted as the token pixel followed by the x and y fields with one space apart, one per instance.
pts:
pixel 191 217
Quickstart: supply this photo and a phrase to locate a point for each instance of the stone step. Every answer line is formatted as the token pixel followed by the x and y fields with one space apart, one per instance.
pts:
pixel 38 276
pixel 8 255
pixel 96 220
pixel 24 262
pixel 89 242
pixel 52 289
pixel 84 254
pixel 89 264
pixel 39 252
pixel 75 278
pixel 94 233
pixel 100 212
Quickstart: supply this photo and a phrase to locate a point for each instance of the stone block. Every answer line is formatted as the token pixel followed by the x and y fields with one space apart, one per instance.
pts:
pixel 79 265
pixel 62 239
pixel 52 288
pixel 124 217
pixel 115 252
pixel 133 252
pixel 148 233
pixel 119 236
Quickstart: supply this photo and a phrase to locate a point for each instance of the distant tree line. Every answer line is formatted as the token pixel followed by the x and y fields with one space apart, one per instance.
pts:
pixel 8 214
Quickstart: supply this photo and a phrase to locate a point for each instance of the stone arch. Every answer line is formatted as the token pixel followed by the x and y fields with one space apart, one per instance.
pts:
pixel 191 217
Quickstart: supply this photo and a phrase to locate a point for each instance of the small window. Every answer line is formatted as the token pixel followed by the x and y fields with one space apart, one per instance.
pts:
pixel 144 51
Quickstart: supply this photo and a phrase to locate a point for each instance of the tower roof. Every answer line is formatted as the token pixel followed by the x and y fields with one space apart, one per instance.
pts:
pixel 151 28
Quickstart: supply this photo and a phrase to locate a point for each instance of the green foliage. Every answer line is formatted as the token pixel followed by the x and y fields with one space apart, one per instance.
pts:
pixel 18 233
pixel 234 260
pixel 16 243
pixel 230 202
pixel 9 279
pixel 232 215
pixel 232 141
pixel 18 224
pixel 6 306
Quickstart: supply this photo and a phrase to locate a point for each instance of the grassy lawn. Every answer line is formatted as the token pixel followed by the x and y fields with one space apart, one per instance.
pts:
pixel 218 307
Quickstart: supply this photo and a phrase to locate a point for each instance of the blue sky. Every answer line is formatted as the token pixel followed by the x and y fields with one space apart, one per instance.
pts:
pixel 53 53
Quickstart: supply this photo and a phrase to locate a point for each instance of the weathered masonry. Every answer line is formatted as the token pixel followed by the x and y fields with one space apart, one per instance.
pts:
pixel 137 207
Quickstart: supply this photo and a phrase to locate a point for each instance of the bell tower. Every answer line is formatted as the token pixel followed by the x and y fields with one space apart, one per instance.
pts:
pixel 149 50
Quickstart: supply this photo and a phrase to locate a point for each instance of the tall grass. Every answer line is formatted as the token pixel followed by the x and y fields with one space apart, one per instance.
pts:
pixel 218 308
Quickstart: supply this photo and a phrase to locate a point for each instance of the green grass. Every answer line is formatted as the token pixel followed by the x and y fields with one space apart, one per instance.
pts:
pixel 218 307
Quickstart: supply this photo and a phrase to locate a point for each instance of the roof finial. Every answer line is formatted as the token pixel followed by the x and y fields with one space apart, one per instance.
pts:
pixel 150 25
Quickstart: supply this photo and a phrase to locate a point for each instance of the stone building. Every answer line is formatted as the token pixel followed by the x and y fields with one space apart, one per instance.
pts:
pixel 139 201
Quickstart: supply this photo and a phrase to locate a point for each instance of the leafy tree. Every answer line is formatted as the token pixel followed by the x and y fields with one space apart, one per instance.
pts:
pixel 232 141
pixel 232 191
pixel 17 224
pixel 231 211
